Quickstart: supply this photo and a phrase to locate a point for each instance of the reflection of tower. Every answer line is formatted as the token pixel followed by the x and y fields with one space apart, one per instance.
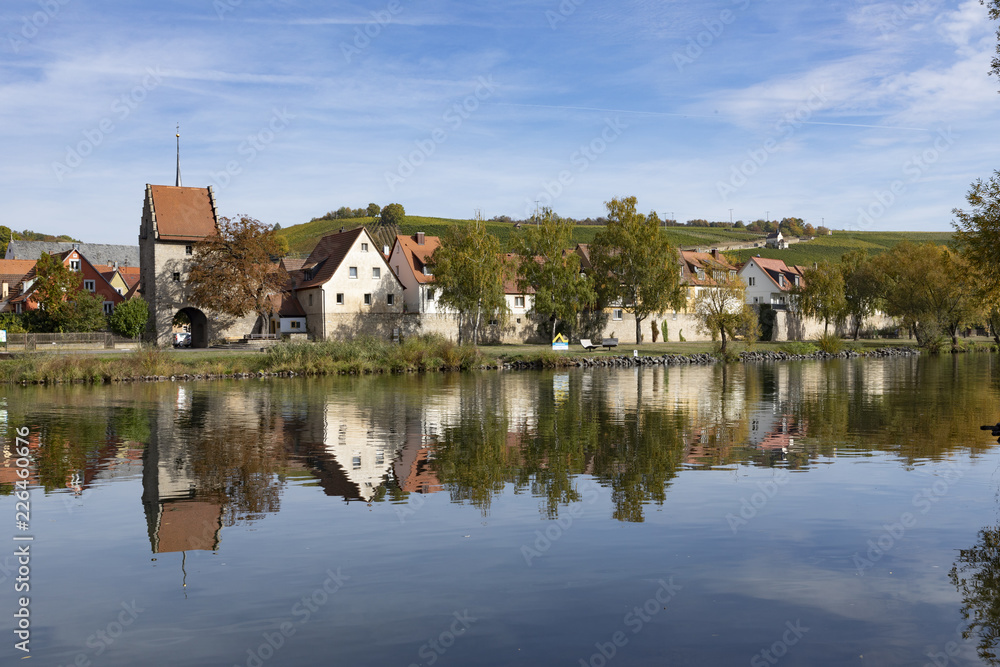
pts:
pixel 176 517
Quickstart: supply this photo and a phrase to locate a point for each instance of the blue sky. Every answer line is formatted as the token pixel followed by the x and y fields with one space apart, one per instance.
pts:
pixel 859 115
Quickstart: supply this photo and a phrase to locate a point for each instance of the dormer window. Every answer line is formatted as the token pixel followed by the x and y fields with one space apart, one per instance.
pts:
pixel 427 271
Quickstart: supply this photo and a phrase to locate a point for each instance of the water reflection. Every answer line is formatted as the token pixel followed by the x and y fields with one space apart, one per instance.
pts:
pixel 215 455
pixel 976 575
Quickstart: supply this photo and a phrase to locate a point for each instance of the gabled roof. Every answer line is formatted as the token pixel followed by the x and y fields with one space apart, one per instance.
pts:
pixel 286 305
pixel 290 264
pixel 13 271
pixel 775 268
pixel 327 256
pixel 691 262
pixel 417 255
pixel 182 214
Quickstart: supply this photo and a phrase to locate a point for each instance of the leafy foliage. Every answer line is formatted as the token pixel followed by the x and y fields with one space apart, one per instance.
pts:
pixel 634 263
pixel 469 270
pixel 722 311
pixel 561 293
pixel 129 318
pixel 392 215
pixel 862 276
pixel 232 271
pixel 822 295
pixel 63 303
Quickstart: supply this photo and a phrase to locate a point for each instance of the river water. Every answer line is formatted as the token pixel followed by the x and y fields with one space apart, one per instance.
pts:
pixel 801 513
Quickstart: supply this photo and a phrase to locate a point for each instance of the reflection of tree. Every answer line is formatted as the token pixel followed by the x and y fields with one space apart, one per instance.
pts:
pixel 238 465
pixel 976 575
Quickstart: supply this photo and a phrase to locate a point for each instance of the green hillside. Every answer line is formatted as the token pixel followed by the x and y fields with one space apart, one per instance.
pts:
pixel 302 238
pixel 833 247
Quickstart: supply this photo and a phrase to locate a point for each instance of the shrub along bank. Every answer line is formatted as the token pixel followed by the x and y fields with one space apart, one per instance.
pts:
pixel 372 356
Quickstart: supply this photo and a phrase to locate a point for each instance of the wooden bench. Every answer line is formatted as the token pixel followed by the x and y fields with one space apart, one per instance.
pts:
pixel 587 345
pixel 609 343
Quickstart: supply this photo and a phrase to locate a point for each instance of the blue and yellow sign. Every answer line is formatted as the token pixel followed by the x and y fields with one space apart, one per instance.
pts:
pixel 560 342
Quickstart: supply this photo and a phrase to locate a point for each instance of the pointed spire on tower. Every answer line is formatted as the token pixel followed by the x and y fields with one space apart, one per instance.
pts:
pixel 178 183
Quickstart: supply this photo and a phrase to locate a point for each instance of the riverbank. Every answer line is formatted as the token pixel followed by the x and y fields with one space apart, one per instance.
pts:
pixel 417 355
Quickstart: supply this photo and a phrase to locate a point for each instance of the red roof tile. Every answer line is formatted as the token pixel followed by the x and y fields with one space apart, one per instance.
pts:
pixel 183 214
pixel 417 255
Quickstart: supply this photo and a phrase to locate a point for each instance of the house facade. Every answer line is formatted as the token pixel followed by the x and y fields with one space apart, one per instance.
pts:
pixel 770 282
pixel 409 259
pixel 346 287
pixel 91 280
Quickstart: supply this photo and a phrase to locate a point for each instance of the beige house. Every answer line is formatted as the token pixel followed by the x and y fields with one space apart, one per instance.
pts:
pixel 346 287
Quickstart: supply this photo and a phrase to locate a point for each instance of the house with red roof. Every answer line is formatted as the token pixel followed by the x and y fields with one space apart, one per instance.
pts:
pixel 347 285
pixel 771 282
pixel 91 280
pixel 409 259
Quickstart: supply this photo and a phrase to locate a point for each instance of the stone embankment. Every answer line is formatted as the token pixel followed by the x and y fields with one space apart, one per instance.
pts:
pixel 709 358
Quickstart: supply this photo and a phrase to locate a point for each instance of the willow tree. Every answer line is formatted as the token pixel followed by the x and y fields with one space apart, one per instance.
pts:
pixel 635 267
pixel 469 271
pixel 232 272
pixel 544 265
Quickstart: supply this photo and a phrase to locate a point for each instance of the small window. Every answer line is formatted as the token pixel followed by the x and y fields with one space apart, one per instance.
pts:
pixel 616 314
pixel 356 461
pixel 177 276
pixel 756 299
pixel 74 265
pixel 430 294
pixel 376 273
pixel 188 250
pixel 108 307
pixel 427 271
pixel 352 272
pixel 368 299
pixel 751 281
pixel 519 302
pixel 89 285
pixel 310 299
pixel 340 298
pixel 119 290
pixel 390 299
pixel 364 247
pixel 295 324
pixel 494 323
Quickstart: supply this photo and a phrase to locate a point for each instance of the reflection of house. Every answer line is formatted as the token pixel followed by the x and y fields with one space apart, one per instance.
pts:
pixel 770 281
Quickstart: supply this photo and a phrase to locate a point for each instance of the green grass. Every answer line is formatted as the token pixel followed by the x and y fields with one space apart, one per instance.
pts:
pixel 302 238
pixel 833 247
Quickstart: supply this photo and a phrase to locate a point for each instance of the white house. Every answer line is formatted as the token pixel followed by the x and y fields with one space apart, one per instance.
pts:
pixel 409 259
pixel 776 240
pixel 770 281
pixel 344 279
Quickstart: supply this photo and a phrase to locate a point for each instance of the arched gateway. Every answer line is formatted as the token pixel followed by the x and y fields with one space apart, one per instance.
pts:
pixel 174 219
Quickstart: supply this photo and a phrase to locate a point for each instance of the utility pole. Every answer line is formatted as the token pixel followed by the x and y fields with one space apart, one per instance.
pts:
pixel 730 217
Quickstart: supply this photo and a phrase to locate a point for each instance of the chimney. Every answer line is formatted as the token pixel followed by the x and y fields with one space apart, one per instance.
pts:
pixel 715 254
pixel 420 238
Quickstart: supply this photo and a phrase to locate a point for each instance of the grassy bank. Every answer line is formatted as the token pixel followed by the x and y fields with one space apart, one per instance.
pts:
pixel 361 356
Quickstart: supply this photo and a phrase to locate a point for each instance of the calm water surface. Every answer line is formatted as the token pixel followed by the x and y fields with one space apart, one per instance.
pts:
pixel 817 513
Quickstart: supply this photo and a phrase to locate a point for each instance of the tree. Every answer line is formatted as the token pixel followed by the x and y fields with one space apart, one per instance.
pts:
pixel 994 9
pixel 863 287
pixel 232 271
pixel 63 304
pixel 469 270
pixel 561 292
pixel 282 242
pixel 930 289
pixel 722 310
pixel 634 264
pixel 977 233
pixel 822 295
pixel 393 215
pixel 129 318
pixel 374 210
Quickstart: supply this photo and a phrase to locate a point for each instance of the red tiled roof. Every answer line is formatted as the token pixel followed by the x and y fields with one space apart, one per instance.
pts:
pixel 286 305
pixel 775 268
pixel 182 214
pixel 417 255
